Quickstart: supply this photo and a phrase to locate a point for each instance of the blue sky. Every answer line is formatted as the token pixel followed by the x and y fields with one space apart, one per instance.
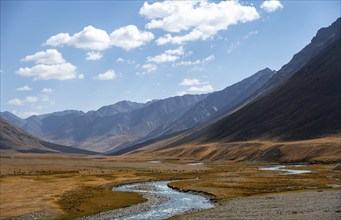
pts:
pixel 82 55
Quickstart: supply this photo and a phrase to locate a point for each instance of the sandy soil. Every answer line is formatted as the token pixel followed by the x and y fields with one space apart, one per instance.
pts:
pixel 284 206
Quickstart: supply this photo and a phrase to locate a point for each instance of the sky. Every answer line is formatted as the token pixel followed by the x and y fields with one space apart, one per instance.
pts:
pixel 82 55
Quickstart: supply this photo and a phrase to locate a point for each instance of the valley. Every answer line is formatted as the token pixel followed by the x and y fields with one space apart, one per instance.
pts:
pixel 265 145
pixel 50 180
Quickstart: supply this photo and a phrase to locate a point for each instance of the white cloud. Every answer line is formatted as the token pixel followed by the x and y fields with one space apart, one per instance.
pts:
pixel 162 58
pixel 90 38
pixel 200 19
pixel 121 60
pixel 190 82
pixel 62 71
pixel 130 37
pixel 108 75
pixel 178 51
pixel 196 62
pixel 80 76
pixel 149 67
pixel 50 65
pixel 271 5
pixel 47 90
pixel 31 99
pixel 167 56
pixel 27 100
pixel 92 55
pixel 195 86
pixel 24 88
pixel 201 89
pixel 16 102
pixel 50 56
pixel 59 39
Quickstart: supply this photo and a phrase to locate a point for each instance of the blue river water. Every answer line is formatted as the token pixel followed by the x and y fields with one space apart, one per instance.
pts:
pixel 175 202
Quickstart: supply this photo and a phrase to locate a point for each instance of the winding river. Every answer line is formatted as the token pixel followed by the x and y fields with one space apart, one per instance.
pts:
pixel 173 202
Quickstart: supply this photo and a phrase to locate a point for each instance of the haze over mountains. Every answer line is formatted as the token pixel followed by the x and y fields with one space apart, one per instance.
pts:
pixel 300 101
pixel 15 139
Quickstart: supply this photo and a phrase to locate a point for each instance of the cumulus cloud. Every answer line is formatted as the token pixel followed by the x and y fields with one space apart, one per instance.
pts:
pixel 62 71
pixel 201 89
pixel 108 75
pixel 90 38
pixel 200 19
pixel 196 62
pixel 271 5
pixel 190 82
pixel 92 55
pixel 167 56
pixel 178 51
pixel 195 86
pixel 162 58
pixel 130 37
pixel 27 100
pixel 149 67
pixel 50 56
pixel 24 88
pixel 47 90
pixel 50 65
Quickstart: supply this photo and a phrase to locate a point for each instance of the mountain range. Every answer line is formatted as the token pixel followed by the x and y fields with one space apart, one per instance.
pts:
pixel 299 102
pixel 15 139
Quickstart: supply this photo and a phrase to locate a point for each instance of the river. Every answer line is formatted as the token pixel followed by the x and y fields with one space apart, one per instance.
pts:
pixel 288 171
pixel 174 202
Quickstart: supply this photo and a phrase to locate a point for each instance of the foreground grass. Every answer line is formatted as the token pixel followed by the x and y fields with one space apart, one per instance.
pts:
pixel 236 180
pixel 74 187
pixel 89 200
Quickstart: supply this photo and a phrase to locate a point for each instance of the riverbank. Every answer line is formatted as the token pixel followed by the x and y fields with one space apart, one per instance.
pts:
pixel 283 206
pixel 151 201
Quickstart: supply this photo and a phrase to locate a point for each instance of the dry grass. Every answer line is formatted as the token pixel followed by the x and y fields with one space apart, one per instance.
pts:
pixel 321 150
pixel 31 183
pixel 235 180
pixel 87 200
pixel 60 184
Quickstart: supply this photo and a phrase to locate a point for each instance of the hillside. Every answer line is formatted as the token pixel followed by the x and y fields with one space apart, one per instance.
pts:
pixel 305 107
pixel 14 139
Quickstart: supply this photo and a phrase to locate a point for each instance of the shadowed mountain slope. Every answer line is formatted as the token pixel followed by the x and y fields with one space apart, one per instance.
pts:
pixel 305 106
pixel 13 138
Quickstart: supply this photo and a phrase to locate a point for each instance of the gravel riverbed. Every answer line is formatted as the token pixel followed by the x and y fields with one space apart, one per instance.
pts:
pixel 312 205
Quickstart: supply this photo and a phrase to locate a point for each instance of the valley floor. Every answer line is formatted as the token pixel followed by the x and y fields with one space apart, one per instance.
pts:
pixel 63 187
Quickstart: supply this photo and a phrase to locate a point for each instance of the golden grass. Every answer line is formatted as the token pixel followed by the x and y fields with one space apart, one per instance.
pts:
pixel 61 185
pixel 320 150
pixel 88 200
